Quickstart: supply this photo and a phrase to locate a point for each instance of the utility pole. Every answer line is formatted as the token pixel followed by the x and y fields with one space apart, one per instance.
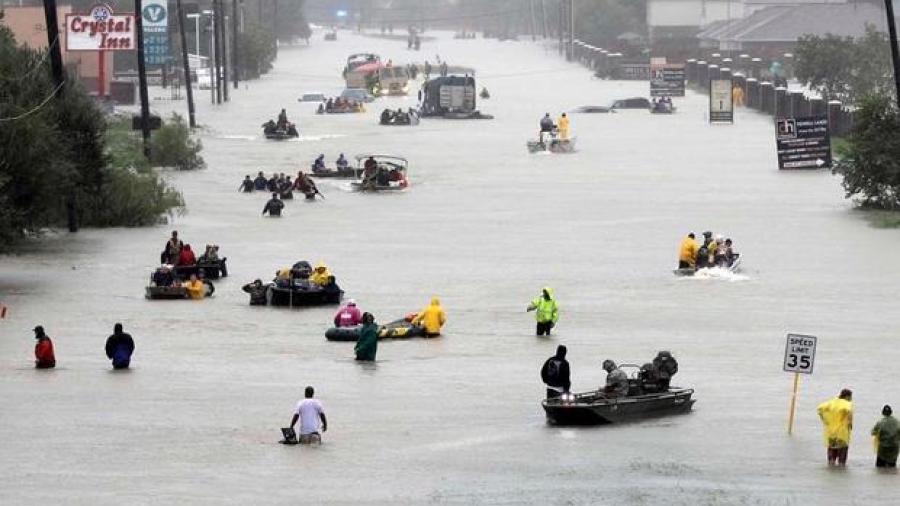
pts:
pixel 142 76
pixel 235 61
pixel 543 20
pixel 562 17
pixel 224 32
pixel 533 26
pixel 56 65
pixel 892 32
pixel 275 25
pixel 571 53
pixel 59 78
pixel 186 66
pixel 217 43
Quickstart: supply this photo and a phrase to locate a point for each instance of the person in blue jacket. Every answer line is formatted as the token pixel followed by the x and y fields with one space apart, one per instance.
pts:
pixel 119 348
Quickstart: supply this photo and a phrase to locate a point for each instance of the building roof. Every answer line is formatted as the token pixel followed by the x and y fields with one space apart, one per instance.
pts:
pixel 788 23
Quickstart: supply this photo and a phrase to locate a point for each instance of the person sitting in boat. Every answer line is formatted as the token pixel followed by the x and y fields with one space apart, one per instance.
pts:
pixel 329 105
pixel 196 289
pixel 649 377
pixel 387 117
pixel 273 206
pixel 431 318
pixel 282 120
pixel 342 162
pixel 257 291
pixel 162 276
pixel 547 126
pixel 320 274
pixel 260 182
pixel 395 176
pixel 563 126
pixel 400 117
pixel 703 252
pixel 687 252
pixel 348 316
pixel 728 253
pixel 616 380
pixel 666 366
pixel 318 164
pixel 247 185
pixel 210 254
pixel 186 256
pixel 331 290
pixel 382 177
pixel 555 374
pixel 320 109
pixel 269 127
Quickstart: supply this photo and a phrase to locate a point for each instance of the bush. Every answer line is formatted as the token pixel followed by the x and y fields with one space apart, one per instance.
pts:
pixel 870 161
pixel 173 146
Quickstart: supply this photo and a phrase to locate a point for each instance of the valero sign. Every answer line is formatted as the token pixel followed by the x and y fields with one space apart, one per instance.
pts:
pixel 100 30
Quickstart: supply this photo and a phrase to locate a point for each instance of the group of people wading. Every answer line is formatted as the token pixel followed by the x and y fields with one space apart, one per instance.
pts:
pixel 282 188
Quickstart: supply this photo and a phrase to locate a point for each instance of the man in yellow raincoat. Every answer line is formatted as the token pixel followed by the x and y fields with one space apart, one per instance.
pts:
pixel 320 274
pixel 687 252
pixel 432 318
pixel 546 311
pixel 563 126
pixel 837 417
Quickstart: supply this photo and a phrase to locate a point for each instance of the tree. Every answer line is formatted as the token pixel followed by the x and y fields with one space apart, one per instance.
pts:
pixel 257 51
pixel 844 68
pixel 600 22
pixel 870 162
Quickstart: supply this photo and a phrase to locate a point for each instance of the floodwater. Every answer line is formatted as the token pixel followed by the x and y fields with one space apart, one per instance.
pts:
pixel 485 225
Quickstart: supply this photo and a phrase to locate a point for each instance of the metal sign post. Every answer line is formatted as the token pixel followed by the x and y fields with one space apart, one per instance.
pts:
pixel 799 358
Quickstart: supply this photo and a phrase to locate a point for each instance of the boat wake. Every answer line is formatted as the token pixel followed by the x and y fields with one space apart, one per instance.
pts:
pixel 721 273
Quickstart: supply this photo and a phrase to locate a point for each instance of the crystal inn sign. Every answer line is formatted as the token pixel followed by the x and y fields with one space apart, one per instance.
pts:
pixel 100 30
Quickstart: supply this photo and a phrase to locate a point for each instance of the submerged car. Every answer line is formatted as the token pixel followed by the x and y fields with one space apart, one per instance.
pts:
pixel 357 95
pixel 626 103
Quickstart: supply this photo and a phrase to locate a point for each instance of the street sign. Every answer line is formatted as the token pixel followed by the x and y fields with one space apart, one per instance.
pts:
pixel 667 79
pixel 721 101
pixel 803 143
pixel 799 353
pixel 155 18
pixel 100 30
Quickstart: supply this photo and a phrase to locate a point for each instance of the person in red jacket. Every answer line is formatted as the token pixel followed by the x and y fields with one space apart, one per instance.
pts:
pixel 186 257
pixel 44 358
pixel 348 316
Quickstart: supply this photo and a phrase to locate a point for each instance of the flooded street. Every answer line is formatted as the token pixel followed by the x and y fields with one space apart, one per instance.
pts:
pixel 485 225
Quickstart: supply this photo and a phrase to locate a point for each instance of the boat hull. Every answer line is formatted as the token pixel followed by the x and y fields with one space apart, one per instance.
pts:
pixel 590 409
pixel 300 297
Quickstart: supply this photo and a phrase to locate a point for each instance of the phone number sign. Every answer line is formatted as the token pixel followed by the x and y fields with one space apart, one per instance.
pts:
pixel 799 353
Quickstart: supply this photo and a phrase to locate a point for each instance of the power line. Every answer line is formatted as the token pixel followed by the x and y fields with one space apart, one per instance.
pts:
pixel 36 109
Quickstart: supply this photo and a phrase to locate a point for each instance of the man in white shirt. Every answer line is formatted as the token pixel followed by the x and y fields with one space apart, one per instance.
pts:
pixel 310 411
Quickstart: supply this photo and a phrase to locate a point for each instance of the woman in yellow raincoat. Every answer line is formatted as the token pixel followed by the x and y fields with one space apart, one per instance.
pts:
pixel 432 318
pixel 563 126
pixel 837 417
pixel 195 288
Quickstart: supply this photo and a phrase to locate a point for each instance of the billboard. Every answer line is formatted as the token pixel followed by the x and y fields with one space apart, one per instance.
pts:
pixel 667 79
pixel 721 101
pixel 100 30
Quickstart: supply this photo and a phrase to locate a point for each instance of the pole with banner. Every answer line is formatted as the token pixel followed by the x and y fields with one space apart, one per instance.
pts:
pixel 799 358
pixel 721 101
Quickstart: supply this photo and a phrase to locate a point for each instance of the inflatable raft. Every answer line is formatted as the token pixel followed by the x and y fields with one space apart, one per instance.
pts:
pixel 400 329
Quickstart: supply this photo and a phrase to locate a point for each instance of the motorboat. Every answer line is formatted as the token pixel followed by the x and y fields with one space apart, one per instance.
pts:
pixel 390 174
pixel 553 145
pixel 596 408
pixel 734 266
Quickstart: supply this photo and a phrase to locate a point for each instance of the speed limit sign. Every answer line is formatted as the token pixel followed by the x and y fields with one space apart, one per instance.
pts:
pixel 799 353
